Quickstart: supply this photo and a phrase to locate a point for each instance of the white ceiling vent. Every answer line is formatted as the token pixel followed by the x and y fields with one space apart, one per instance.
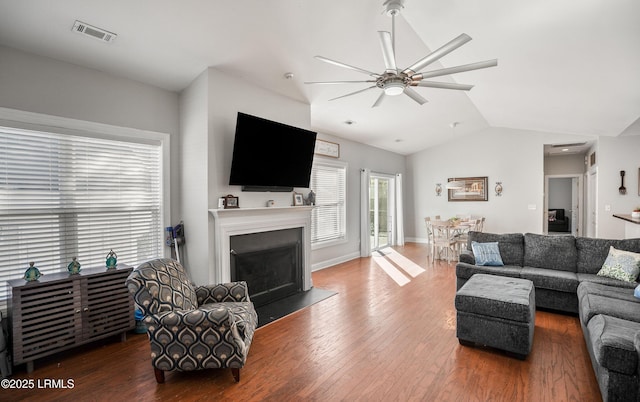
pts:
pixel 93 32
pixel 571 144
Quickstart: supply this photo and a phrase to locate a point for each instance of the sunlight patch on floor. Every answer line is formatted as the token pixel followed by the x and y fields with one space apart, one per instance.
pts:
pixel 394 263
pixel 403 262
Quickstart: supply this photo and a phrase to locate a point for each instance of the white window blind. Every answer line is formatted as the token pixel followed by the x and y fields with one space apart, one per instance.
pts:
pixel 328 219
pixel 64 196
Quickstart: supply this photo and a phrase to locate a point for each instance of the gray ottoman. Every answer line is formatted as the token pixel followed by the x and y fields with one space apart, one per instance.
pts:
pixel 497 311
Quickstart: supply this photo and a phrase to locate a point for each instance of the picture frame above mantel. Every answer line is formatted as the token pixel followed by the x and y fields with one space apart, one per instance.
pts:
pixel 327 148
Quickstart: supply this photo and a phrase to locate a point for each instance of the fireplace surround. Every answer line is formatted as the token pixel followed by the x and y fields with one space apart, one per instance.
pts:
pixel 241 221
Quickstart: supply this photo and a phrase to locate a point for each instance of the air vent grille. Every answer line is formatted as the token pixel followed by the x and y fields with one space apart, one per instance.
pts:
pixel 93 32
pixel 573 144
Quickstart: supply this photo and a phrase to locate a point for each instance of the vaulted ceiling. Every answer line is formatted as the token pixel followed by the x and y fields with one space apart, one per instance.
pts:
pixel 568 67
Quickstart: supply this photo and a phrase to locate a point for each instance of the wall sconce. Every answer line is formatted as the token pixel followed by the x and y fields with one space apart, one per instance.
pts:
pixel 438 189
pixel 498 188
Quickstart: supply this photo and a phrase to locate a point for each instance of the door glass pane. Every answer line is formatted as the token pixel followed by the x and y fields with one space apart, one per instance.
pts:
pixel 379 212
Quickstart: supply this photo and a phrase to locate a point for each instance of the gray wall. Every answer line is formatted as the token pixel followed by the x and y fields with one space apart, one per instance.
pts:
pixel 42 85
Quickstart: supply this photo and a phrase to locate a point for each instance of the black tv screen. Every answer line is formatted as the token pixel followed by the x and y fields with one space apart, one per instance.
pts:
pixel 271 156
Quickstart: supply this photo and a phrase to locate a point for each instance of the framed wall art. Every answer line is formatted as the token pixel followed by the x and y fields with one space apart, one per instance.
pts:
pixel 326 148
pixel 467 188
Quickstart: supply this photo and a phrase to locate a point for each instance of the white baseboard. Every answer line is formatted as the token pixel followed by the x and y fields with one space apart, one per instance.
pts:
pixel 417 240
pixel 334 261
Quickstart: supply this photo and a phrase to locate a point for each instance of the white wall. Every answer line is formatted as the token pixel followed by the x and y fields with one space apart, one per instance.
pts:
pixel 513 157
pixel 564 164
pixel 613 155
pixel 358 156
pixel 560 191
pixel 194 115
pixel 225 96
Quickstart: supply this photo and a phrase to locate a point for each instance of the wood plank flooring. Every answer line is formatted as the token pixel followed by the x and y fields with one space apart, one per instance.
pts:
pixel 373 341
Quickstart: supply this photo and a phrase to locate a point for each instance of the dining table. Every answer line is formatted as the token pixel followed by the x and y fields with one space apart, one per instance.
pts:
pixel 454 230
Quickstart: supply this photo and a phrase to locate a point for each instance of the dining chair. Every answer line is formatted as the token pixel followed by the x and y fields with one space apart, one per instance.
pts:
pixel 440 239
pixel 480 225
pixel 462 236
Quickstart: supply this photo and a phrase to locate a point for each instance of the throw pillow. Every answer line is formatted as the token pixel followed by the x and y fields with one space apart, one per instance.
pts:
pixel 622 265
pixel 552 216
pixel 487 253
pixel 636 292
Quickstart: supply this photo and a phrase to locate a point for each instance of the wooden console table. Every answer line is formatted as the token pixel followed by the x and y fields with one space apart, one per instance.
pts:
pixel 61 311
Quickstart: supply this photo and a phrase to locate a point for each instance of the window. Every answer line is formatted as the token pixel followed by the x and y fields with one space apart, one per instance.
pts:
pixel 65 196
pixel 328 219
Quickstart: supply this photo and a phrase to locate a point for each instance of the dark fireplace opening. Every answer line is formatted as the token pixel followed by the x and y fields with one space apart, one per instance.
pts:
pixel 270 263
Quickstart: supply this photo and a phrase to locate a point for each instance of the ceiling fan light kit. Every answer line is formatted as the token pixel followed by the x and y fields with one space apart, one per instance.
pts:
pixel 394 82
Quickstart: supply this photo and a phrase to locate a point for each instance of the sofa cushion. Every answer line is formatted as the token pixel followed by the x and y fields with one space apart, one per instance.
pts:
pixel 511 245
pixel 593 304
pixel 612 341
pixel 622 265
pixel 466 271
pixel 614 292
pixel 551 252
pixel 551 279
pixel 606 281
pixel 487 253
pixel 593 252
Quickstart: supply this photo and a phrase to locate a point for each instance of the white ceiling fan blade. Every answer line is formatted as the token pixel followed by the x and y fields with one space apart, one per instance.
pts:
pixel 379 100
pixel 456 69
pixel 443 85
pixel 354 93
pixel 415 96
pixel 339 64
pixel 435 55
pixel 387 52
pixel 338 82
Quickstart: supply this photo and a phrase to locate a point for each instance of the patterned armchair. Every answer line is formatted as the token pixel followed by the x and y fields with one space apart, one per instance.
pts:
pixel 192 328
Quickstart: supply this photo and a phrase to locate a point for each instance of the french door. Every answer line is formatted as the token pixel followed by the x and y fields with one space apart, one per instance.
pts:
pixel 381 190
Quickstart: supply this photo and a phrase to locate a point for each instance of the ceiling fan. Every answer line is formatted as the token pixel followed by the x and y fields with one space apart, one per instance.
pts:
pixel 395 81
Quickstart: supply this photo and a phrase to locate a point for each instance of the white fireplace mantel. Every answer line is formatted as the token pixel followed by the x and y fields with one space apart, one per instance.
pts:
pixel 239 221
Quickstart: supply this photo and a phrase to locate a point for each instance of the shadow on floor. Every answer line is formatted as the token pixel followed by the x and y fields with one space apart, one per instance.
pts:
pixel 280 308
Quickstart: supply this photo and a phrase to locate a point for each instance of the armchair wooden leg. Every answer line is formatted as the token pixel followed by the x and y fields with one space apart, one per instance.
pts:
pixel 159 375
pixel 236 374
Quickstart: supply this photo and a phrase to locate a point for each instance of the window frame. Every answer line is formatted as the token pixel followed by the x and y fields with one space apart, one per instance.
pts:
pixel 337 165
pixel 22 120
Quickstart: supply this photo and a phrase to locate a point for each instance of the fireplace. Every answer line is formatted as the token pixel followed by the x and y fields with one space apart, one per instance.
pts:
pixel 270 262
pixel 282 234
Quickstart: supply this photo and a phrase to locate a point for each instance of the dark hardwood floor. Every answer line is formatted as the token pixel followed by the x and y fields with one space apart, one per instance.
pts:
pixel 373 341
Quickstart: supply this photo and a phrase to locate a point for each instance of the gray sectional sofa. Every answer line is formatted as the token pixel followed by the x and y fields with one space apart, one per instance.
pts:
pixel 564 271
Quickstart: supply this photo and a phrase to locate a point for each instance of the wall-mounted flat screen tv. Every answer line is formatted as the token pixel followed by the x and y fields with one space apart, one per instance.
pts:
pixel 270 156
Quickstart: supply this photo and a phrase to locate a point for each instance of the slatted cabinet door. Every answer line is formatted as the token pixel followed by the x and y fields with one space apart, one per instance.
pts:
pixel 46 318
pixel 60 311
pixel 108 305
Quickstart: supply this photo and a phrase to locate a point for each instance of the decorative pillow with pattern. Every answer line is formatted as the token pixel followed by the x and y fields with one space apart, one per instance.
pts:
pixel 487 253
pixel 622 265
pixel 552 216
